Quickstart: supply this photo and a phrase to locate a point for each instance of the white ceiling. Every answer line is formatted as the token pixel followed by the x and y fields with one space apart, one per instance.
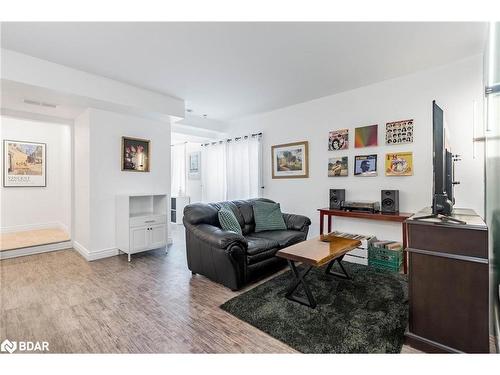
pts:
pixel 229 70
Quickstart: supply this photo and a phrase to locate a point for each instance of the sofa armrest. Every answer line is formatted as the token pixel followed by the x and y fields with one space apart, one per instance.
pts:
pixel 216 237
pixel 296 222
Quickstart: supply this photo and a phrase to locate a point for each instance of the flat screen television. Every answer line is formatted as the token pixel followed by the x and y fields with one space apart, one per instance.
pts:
pixel 443 169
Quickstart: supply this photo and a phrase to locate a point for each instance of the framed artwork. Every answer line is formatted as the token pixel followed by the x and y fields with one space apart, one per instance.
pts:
pixel 366 136
pixel 24 164
pixel 194 171
pixel 337 167
pixel 338 140
pixel 135 154
pixel 399 164
pixel 290 160
pixel 399 132
pixel 365 165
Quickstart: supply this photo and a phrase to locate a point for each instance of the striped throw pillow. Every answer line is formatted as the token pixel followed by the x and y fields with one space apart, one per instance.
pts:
pixel 228 220
pixel 268 216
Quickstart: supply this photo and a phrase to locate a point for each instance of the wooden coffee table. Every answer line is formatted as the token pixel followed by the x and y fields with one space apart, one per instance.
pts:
pixel 315 252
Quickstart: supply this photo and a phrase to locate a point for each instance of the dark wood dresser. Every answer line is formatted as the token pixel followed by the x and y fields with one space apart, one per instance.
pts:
pixel 448 284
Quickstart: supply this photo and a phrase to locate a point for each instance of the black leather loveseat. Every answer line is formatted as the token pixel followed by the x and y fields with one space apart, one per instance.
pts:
pixel 232 259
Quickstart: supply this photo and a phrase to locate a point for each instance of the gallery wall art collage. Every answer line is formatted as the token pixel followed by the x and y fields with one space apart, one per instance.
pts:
pixel 291 160
pixel 395 164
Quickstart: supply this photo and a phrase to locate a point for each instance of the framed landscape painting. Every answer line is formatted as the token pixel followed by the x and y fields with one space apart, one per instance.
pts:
pixel 290 160
pixel 24 164
pixel 135 154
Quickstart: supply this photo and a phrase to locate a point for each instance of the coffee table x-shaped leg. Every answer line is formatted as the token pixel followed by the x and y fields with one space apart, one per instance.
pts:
pixel 299 278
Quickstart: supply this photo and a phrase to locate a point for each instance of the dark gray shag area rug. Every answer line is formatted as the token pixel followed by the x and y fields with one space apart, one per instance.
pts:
pixel 367 314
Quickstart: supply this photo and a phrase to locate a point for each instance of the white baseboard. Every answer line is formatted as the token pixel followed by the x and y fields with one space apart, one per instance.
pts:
pixel 6 254
pixel 22 228
pixel 94 255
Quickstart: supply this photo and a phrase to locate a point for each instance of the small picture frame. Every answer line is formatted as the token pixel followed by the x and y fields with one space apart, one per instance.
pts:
pixel 366 136
pixel 338 140
pixel 399 132
pixel 399 164
pixel 337 167
pixel 365 165
pixel 135 155
pixel 194 166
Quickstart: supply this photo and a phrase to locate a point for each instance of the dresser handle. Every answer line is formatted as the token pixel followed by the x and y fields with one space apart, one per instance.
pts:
pixel 149 221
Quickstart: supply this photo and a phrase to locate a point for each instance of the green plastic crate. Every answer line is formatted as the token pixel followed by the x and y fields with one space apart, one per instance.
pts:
pixel 380 257
pixel 383 265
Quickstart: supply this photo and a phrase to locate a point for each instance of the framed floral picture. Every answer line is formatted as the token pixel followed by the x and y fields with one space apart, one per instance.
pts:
pixel 135 155
pixel 24 164
pixel 290 160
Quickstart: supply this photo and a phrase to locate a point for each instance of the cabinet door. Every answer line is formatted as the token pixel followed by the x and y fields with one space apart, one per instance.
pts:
pixel 158 236
pixel 139 239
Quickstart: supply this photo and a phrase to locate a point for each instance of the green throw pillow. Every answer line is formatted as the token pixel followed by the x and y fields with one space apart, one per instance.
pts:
pixel 268 216
pixel 228 220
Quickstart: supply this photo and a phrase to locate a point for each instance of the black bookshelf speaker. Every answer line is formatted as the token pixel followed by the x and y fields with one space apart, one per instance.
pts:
pixel 337 196
pixel 390 201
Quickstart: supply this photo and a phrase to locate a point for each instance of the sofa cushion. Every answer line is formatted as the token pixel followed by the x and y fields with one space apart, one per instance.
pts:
pixel 268 216
pixel 283 237
pixel 228 220
pixel 258 245
pixel 245 208
pixel 260 249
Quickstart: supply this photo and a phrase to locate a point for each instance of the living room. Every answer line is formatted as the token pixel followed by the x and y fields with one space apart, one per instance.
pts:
pixel 250 187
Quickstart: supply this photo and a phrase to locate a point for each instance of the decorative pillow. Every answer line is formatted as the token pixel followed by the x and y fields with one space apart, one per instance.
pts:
pixel 228 220
pixel 268 216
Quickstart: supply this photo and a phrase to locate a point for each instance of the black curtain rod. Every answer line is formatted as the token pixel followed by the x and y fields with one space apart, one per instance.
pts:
pixel 231 139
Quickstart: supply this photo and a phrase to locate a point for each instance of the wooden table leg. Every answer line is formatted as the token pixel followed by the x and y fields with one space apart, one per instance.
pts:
pixel 405 245
pixel 329 224
pixel 321 216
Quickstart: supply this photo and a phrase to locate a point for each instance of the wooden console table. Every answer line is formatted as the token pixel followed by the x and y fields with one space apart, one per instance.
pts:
pixel 397 218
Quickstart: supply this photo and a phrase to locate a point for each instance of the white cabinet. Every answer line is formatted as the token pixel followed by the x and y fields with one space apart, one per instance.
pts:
pixel 139 239
pixel 158 236
pixel 141 222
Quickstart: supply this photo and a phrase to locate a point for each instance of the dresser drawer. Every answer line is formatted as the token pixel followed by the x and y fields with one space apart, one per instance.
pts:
pixel 141 221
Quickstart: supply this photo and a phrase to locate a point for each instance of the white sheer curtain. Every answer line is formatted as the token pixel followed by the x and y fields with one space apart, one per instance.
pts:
pixel 178 168
pixel 213 172
pixel 243 168
pixel 231 169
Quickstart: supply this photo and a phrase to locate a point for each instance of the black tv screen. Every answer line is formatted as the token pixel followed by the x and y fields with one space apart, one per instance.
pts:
pixel 443 201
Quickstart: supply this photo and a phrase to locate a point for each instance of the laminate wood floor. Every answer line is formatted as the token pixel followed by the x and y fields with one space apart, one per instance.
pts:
pixel 150 305
pixel 29 238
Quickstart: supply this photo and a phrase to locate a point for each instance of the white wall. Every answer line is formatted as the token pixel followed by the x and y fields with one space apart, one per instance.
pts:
pixel 100 136
pixel 39 207
pixel 455 87
pixel 81 179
